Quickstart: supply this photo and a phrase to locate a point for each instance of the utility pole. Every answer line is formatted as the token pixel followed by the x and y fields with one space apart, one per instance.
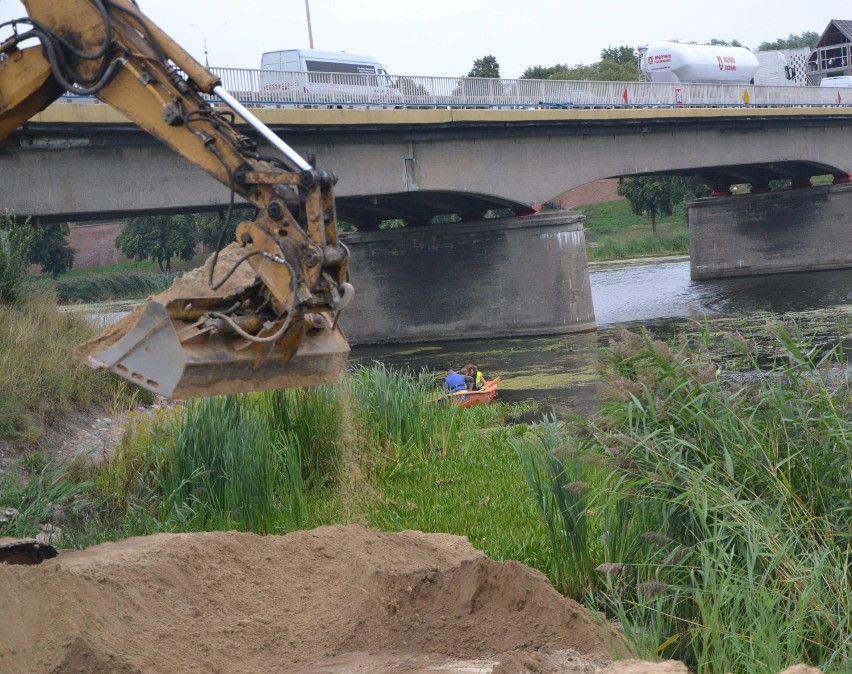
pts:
pixel 310 34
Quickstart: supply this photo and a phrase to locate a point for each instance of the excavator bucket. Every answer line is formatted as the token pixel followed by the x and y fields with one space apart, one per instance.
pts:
pixel 180 344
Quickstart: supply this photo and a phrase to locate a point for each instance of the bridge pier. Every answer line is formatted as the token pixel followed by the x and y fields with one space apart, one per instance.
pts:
pixel 757 234
pixel 504 277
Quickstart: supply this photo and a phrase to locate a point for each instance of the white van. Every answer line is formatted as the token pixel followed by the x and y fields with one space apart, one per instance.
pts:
pixel 839 81
pixel 332 78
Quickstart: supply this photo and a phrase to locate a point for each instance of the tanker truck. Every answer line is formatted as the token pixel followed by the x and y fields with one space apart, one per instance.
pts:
pixel 676 62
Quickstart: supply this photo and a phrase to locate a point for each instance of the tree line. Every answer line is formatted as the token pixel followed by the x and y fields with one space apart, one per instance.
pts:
pixel 621 64
pixel 161 238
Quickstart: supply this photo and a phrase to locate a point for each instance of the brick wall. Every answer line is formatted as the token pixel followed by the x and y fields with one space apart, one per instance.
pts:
pixel 595 192
pixel 95 244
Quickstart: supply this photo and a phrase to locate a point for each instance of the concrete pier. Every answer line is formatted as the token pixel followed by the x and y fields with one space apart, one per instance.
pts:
pixel 753 234
pixel 505 277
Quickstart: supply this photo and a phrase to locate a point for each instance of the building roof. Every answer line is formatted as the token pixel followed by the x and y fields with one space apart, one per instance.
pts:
pixel 838 31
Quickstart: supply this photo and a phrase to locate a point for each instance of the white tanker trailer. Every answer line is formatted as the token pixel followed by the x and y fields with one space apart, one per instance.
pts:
pixel 700 63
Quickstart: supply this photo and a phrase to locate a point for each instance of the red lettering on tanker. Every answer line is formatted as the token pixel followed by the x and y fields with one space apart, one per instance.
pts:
pixel 660 58
pixel 727 62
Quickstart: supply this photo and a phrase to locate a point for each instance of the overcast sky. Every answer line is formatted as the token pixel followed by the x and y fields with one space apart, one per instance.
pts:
pixel 444 37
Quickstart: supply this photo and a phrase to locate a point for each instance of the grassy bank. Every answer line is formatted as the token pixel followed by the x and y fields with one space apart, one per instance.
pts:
pixel 40 382
pixel 102 287
pixel 614 232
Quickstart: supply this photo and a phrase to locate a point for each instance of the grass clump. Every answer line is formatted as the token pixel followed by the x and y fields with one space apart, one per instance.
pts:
pixel 404 415
pixel 723 505
pixel 104 287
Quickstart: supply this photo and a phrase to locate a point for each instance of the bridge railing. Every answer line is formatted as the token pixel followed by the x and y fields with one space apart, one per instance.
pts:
pixel 272 88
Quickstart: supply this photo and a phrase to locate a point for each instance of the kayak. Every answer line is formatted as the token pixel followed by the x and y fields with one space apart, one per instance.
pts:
pixel 481 397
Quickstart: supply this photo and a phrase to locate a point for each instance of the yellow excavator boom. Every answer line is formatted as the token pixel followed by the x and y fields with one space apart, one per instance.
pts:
pixel 263 312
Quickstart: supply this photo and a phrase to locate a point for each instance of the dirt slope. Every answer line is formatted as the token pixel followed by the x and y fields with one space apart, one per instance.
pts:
pixel 334 599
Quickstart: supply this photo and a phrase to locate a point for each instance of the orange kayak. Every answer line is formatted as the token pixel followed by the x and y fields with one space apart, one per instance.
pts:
pixel 481 397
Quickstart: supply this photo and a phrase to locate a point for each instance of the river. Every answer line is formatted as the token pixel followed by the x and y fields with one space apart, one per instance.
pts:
pixel 563 371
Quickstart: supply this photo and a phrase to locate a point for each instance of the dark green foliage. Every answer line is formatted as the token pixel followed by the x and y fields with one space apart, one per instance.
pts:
pixel 487 66
pixel 557 72
pixel 210 226
pixel 806 40
pixel 103 287
pixel 617 64
pixel 16 240
pixel 619 55
pixel 51 250
pixel 159 238
pixel 657 195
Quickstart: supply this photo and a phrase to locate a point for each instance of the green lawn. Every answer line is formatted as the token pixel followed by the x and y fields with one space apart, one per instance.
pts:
pixel 613 231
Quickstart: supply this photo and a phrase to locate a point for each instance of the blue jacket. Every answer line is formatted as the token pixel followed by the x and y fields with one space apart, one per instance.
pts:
pixel 455 382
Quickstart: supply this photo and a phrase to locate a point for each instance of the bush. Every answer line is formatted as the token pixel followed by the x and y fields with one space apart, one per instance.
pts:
pixel 103 287
pixel 15 245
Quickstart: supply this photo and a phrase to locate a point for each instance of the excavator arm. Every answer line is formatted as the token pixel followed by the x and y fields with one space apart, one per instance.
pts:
pixel 263 312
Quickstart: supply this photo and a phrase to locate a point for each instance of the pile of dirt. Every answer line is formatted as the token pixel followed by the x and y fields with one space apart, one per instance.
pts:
pixel 335 599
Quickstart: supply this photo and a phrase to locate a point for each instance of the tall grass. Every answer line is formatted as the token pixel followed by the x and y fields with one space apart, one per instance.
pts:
pixel 40 382
pixel 732 501
pixel 239 461
pixel 663 243
pixel 405 415
pixel 557 482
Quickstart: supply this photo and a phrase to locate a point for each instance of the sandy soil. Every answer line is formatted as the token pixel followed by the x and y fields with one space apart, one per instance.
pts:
pixel 338 600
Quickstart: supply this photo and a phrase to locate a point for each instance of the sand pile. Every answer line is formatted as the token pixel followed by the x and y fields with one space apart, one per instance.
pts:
pixel 334 599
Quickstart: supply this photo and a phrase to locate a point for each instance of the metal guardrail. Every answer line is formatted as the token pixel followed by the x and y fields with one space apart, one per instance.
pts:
pixel 269 88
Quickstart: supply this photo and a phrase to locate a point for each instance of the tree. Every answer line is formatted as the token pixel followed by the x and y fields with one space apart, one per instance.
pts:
pixel 725 43
pixel 160 238
pixel 807 40
pixel 621 55
pixel 487 66
pixel 15 246
pixel 617 64
pixel 210 226
pixel 657 195
pixel 50 249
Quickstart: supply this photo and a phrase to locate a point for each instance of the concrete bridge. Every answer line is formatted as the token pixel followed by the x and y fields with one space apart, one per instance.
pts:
pixel 414 164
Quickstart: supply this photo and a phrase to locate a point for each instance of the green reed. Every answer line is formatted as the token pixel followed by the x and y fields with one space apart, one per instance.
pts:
pixel 726 512
pixel 404 415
